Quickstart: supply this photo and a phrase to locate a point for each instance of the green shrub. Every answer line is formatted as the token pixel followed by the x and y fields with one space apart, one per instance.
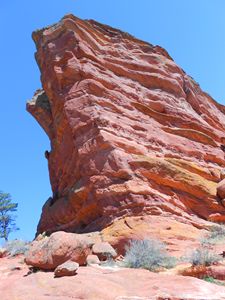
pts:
pixel 203 257
pixel 147 254
pixel 213 280
pixel 16 247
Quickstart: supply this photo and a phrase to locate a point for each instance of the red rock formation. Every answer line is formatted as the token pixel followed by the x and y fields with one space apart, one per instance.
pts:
pixel 131 133
pixel 50 252
pixel 92 283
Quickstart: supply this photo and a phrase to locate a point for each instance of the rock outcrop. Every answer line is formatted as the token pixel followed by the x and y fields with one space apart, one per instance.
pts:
pixel 131 133
pixel 59 248
pixel 91 283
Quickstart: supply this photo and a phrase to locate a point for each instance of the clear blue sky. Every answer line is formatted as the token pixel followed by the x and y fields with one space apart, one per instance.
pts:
pixel 192 31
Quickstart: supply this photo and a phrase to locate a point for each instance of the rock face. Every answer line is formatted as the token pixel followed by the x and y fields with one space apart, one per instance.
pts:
pixel 221 189
pixel 131 133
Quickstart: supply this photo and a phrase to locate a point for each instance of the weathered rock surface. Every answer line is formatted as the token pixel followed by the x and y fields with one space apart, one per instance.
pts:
pixel 104 250
pixel 221 189
pixel 60 247
pixel 217 272
pixel 131 133
pixel 68 268
pixel 178 236
pixel 214 271
pixel 92 260
pixel 92 283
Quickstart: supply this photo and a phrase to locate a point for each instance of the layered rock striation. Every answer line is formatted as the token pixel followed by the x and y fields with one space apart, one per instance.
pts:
pixel 131 133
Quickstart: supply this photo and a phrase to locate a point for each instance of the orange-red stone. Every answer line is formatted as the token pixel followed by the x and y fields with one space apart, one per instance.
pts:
pixel 91 283
pixel 131 133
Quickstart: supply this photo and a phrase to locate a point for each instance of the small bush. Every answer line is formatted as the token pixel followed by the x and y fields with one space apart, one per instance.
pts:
pixel 147 254
pixel 213 280
pixel 206 242
pixel 16 247
pixel 217 232
pixel 203 257
pixel 215 235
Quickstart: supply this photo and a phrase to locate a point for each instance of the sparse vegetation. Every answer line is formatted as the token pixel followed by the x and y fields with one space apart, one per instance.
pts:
pixel 7 219
pixel 213 280
pixel 148 254
pixel 215 235
pixel 16 247
pixel 203 257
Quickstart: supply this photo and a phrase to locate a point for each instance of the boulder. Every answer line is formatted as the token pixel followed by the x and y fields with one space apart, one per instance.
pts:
pixel 50 252
pixel 92 260
pixel 104 250
pixel 68 268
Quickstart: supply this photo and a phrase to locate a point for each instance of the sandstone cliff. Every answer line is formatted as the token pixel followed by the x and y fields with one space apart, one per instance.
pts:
pixel 132 135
